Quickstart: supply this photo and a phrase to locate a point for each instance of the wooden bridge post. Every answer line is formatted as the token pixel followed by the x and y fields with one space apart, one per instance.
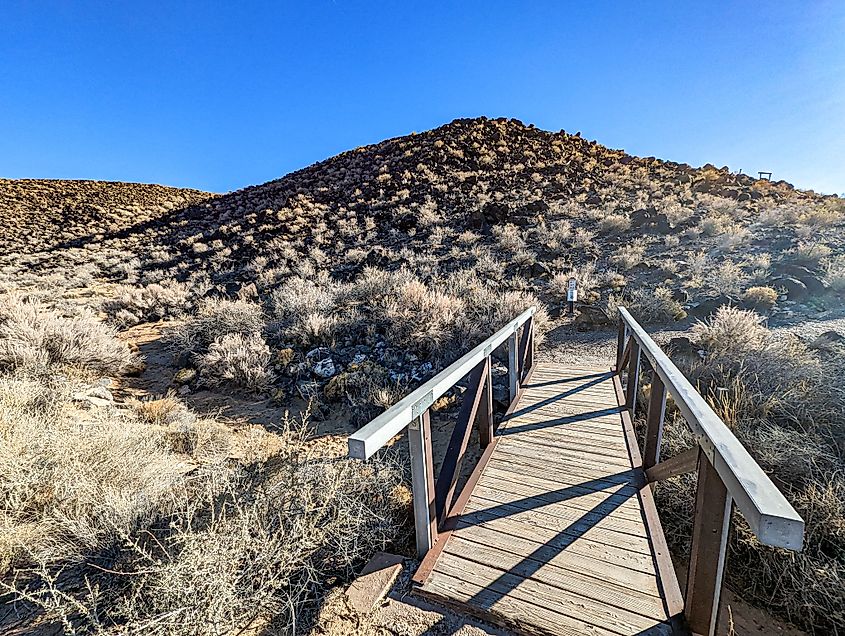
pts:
pixel 654 422
pixel 485 419
pixel 422 482
pixel 528 359
pixel 513 367
pixel 633 376
pixel 711 525
pixel 620 344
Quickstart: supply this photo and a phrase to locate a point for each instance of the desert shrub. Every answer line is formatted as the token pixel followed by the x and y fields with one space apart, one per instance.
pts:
pixel 614 224
pixel 835 273
pixel 728 278
pixel 556 236
pixel 299 297
pixel 164 536
pixel 614 279
pixel 439 320
pixel 509 237
pixel 524 258
pixel 760 265
pixel 810 253
pixel 731 329
pixel 73 486
pixel 215 319
pixel 675 212
pixel 316 311
pixel 629 255
pixel 488 309
pixel 761 296
pixel 422 319
pixel 732 236
pixel 468 237
pixel 583 239
pixel 238 360
pixel 712 225
pixel 33 337
pixel 156 301
pixel 784 402
pixel 648 306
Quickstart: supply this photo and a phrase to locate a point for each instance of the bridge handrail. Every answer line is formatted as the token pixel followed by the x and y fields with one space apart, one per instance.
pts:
pixel 771 517
pixel 432 498
pixel 373 436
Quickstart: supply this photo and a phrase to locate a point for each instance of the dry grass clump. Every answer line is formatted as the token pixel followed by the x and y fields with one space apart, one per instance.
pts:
pixel 834 272
pixel 216 319
pixel 34 338
pixel 785 403
pixel 629 255
pixel 156 301
pixel 138 521
pixel 810 253
pixel 648 306
pixel 761 296
pixel 438 320
pixel 238 360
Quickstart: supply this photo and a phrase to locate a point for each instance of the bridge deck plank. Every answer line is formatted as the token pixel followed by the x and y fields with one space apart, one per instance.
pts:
pixel 553 538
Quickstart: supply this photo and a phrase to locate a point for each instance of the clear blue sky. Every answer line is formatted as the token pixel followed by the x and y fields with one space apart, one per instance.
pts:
pixel 218 95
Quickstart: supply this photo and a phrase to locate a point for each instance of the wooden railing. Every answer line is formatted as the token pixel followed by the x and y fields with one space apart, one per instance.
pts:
pixel 433 498
pixel 727 474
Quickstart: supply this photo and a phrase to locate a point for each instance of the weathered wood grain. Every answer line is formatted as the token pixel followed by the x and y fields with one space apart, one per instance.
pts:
pixel 552 538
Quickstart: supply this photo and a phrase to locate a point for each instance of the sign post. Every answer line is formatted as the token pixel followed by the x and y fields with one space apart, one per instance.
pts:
pixel 572 295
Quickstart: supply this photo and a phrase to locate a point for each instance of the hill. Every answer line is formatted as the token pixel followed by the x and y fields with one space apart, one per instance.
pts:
pixel 39 214
pixel 333 291
pixel 511 200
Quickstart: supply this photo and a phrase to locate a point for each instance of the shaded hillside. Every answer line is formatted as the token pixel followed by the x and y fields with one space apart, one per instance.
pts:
pixel 39 214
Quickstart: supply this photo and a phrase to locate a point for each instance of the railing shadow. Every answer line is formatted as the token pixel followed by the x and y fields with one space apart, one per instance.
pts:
pixel 536 384
pixel 560 396
pixel 560 421
pixel 509 580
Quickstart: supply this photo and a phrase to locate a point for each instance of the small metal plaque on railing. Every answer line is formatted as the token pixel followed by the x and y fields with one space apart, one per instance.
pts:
pixel 420 407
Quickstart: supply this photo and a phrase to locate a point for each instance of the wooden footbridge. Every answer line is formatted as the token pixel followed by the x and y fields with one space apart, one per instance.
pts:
pixel 556 531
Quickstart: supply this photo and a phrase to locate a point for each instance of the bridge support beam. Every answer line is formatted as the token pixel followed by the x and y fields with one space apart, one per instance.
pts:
pixel 709 548
pixel 633 376
pixel 513 367
pixel 654 422
pixel 422 483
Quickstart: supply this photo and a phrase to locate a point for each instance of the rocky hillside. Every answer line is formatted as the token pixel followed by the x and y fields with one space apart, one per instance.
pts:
pixel 40 214
pixel 517 204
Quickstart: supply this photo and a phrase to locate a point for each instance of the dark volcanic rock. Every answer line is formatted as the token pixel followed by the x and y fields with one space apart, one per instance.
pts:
pixel 795 289
pixel 590 317
pixel 829 341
